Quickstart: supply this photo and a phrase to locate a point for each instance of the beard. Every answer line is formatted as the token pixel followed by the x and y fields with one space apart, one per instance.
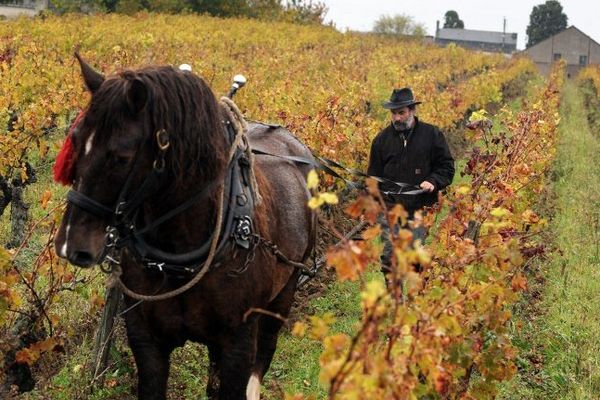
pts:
pixel 403 125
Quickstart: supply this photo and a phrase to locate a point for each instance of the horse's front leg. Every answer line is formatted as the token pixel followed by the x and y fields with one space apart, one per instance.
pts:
pixel 238 355
pixel 152 361
pixel 214 361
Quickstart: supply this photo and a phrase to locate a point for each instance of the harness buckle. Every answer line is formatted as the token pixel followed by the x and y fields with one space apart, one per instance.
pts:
pixel 111 238
pixel 113 260
pixel 120 207
pixel 243 231
pixel 159 164
pixel 155 265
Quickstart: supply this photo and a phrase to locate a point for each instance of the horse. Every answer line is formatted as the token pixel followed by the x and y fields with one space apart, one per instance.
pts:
pixel 154 190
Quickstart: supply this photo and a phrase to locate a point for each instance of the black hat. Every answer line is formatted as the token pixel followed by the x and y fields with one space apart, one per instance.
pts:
pixel 400 98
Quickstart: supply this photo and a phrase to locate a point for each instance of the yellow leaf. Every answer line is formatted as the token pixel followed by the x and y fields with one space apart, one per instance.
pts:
pixel 315 202
pixel 329 198
pixel 375 289
pixel 463 189
pixel 299 329
pixel 24 176
pixel 499 212
pixel 530 217
pixel 319 327
pixel 337 342
pixel 46 196
pixel 312 180
pixel 478 116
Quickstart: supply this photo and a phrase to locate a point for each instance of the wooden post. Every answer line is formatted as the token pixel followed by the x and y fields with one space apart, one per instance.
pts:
pixel 473 230
pixel 472 233
pixel 104 336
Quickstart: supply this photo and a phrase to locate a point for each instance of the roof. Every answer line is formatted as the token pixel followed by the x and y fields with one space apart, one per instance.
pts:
pixel 470 35
pixel 572 27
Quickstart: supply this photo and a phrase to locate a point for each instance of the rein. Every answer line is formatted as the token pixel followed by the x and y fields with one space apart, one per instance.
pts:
pixel 237 222
pixel 122 234
pixel 328 166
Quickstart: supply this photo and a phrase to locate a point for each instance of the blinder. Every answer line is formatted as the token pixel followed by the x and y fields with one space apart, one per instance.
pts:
pixel 122 232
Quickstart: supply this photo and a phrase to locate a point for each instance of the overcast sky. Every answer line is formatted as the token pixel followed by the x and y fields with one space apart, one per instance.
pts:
pixel 477 14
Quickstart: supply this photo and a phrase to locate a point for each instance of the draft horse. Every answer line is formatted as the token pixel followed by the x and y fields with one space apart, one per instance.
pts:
pixel 148 161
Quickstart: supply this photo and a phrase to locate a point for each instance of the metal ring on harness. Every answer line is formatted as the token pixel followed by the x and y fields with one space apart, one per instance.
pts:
pixel 159 164
pixel 162 139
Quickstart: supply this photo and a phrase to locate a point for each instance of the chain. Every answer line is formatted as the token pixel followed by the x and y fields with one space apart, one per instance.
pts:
pixel 250 256
pixel 280 256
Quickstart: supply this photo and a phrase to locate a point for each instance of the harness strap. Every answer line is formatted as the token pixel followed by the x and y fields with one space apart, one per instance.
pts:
pixel 90 205
pixel 327 165
pixel 182 207
pixel 116 276
pixel 181 261
pixel 140 195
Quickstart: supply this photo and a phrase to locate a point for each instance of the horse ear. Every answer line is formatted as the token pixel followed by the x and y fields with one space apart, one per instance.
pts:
pixel 92 79
pixel 137 95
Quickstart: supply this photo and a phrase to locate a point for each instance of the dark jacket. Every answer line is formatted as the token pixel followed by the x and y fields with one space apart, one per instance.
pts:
pixel 426 157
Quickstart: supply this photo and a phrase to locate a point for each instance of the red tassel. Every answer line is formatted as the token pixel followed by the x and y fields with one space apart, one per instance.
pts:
pixel 64 171
pixel 63 166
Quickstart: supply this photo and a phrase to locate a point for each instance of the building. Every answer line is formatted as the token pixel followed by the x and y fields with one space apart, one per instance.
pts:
pixel 22 7
pixel 501 42
pixel 571 45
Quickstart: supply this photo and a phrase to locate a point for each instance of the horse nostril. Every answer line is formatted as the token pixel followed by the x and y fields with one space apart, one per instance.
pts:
pixel 82 259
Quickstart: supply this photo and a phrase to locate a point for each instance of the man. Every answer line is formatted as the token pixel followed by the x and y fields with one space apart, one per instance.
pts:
pixel 413 152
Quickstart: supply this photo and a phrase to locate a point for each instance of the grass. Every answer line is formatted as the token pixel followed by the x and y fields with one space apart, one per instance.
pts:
pixel 565 332
pixel 296 363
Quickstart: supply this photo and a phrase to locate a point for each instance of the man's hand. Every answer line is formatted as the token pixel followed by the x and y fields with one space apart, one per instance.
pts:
pixel 427 186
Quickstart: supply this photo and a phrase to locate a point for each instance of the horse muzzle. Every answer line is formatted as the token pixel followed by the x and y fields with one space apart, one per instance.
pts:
pixel 80 246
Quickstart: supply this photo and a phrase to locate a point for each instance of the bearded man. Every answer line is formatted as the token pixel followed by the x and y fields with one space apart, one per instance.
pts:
pixel 413 152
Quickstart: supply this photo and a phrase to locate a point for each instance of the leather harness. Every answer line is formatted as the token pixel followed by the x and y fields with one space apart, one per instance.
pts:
pixel 122 231
pixel 237 230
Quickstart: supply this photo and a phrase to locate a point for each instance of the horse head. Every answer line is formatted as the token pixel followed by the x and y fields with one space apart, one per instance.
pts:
pixel 155 122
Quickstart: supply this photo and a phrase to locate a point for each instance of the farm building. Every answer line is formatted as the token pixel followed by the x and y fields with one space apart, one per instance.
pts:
pixel 571 45
pixel 501 42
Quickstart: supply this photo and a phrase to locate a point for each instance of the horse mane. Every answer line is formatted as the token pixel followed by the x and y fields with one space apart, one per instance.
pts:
pixel 179 102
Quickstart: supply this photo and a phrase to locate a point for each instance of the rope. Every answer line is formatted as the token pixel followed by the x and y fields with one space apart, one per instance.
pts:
pixel 239 123
pixel 240 127
pixel 116 276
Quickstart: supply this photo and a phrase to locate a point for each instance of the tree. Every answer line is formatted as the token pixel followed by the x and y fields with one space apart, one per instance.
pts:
pixel 451 20
pixel 399 25
pixel 545 20
pixel 297 11
pixel 219 8
pixel 305 11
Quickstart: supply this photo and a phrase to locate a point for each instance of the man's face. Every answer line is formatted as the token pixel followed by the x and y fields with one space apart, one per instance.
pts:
pixel 403 118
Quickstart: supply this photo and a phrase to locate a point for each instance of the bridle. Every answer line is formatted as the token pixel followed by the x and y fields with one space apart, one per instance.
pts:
pixel 123 233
